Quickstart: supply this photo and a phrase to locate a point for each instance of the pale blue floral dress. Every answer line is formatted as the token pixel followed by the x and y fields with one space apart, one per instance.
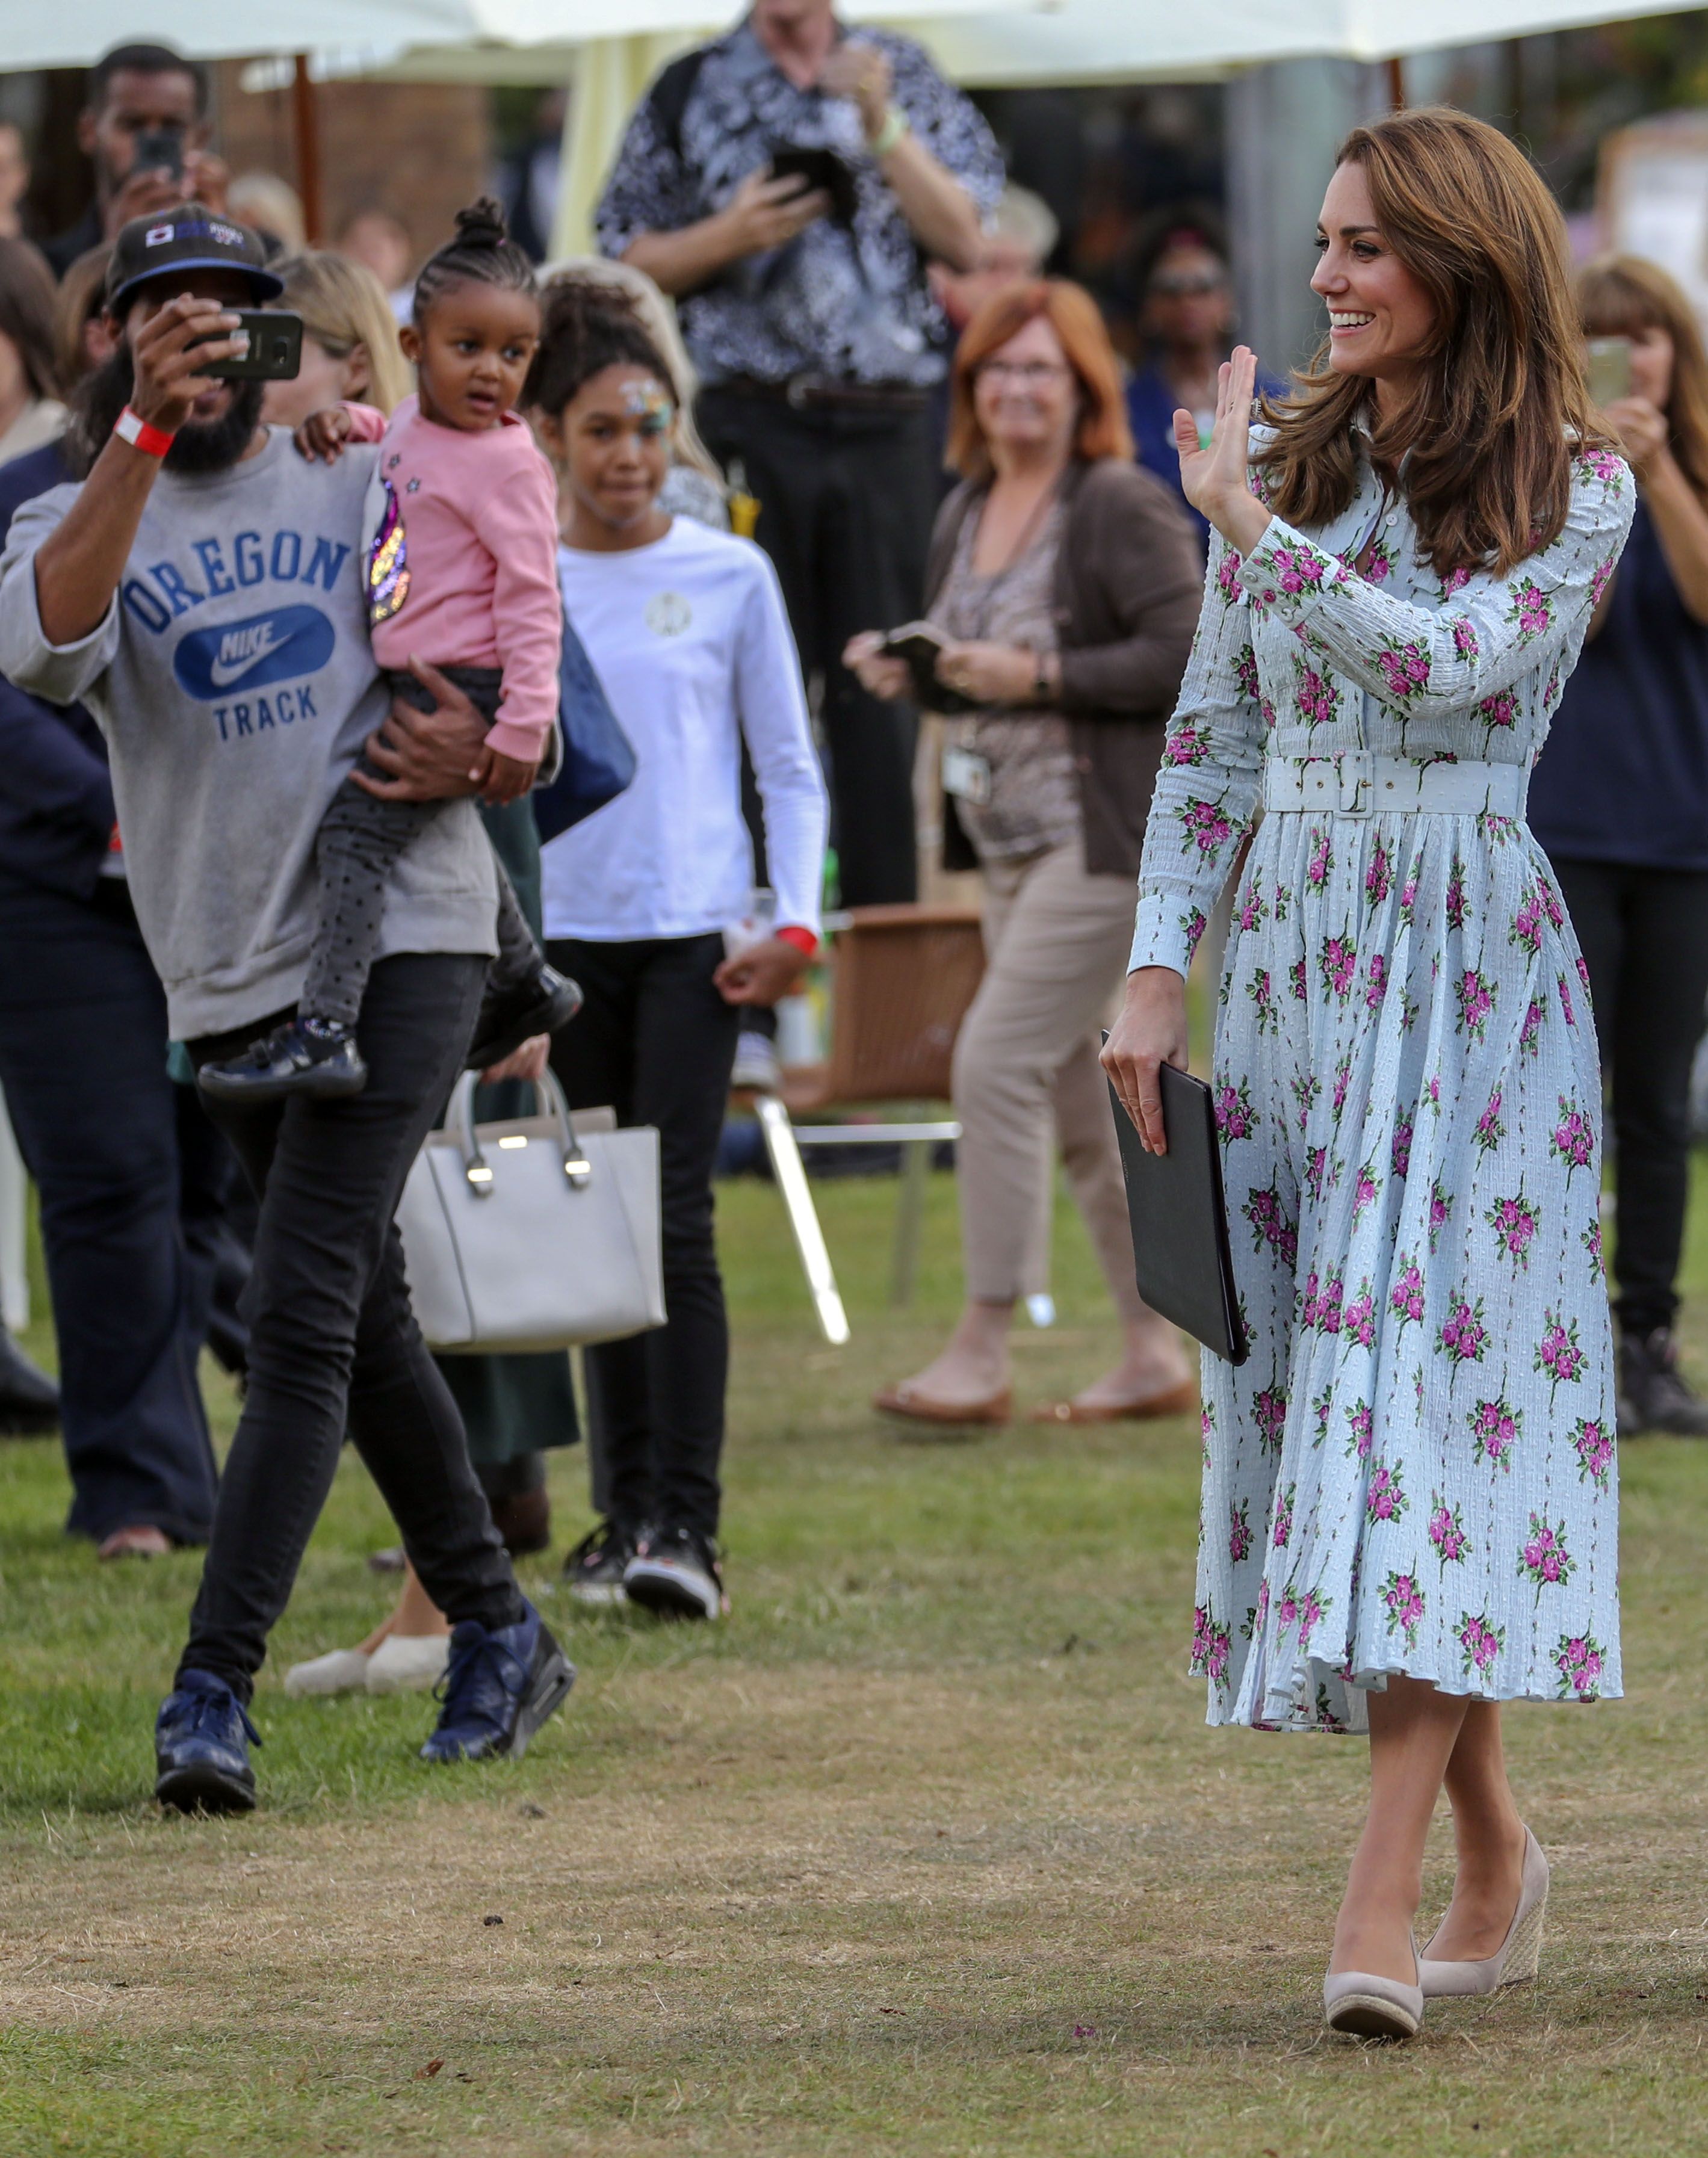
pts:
pixel 1414 1472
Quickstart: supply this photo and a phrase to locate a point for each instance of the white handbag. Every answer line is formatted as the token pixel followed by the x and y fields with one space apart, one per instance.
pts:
pixel 524 1236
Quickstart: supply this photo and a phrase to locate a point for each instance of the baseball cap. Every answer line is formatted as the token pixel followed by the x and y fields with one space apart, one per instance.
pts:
pixel 192 237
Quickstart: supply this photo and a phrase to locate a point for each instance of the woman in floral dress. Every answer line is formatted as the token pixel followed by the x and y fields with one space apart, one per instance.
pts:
pixel 1410 1507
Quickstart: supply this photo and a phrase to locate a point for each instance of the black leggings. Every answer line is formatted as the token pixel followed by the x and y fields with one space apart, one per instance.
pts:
pixel 332 1335
pixel 1645 934
pixel 655 1040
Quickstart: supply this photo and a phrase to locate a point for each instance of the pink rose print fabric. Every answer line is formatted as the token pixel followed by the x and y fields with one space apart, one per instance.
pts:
pixel 1414 1472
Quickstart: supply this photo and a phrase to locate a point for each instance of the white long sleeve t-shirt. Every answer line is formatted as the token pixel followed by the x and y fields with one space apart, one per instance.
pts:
pixel 690 639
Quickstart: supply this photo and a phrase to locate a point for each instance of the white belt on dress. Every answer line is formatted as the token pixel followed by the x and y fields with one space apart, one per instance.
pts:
pixel 1359 783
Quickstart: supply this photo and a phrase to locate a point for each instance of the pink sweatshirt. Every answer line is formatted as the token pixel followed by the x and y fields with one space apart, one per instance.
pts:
pixel 462 564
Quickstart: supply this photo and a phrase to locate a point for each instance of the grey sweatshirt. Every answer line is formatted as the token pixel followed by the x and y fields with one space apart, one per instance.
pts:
pixel 233 679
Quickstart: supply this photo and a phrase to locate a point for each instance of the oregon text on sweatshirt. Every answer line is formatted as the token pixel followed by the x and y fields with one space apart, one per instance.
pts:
pixel 234 683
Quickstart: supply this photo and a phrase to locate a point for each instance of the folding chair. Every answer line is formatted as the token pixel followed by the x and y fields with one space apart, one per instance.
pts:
pixel 902 980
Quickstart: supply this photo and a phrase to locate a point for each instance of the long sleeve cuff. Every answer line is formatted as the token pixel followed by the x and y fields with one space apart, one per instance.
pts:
pixel 1166 933
pixel 1287 575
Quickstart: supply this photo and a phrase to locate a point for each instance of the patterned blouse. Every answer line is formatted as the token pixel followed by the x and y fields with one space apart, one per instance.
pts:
pixel 851 304
pixel 1034 794
pixel 1297 654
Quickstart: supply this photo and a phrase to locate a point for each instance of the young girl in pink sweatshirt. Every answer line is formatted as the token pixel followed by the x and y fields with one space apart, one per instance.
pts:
pixel 462 571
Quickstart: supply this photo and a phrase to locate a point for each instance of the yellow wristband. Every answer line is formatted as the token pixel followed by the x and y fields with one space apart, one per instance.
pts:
pixel 896 124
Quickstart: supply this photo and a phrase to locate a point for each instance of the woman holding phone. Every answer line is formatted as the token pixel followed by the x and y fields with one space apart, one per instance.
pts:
pixel 1620 800
pixel 1409 1506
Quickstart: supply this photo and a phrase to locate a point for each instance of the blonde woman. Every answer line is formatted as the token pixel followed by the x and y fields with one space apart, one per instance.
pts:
pixel 349 340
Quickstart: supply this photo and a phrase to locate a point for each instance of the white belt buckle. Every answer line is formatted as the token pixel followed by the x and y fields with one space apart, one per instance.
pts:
pixel 1357 782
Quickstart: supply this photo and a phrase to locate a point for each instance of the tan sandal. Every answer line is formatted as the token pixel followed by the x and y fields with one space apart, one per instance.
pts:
pixel 903 1401
pixel 1177 1401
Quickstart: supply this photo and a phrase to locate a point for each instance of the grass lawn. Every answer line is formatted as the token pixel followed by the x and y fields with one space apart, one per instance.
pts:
pixel 926 1851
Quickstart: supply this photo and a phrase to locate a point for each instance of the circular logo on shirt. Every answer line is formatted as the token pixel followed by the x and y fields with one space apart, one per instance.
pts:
pixel 667 614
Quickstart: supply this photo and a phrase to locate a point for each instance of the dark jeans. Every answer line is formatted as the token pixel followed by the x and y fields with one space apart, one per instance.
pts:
pixel 655 1041
pixel 332 1335
pixel 1645 934
pixel 361 841
pixel 847 501
pixel 133 1181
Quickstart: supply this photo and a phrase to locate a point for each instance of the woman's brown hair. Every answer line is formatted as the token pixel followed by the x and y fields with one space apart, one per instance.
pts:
pixel 26 314
pixel 1491 420
pixel 1071 312
pixel 1618 294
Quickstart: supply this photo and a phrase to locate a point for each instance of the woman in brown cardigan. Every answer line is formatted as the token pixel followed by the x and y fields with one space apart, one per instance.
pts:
pixel 1067 583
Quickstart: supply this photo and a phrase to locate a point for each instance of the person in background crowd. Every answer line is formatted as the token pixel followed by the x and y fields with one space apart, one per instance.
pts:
pixel 818 341
pixel 1187 320
pixel 695 486
pixel 350 350
pixel 381 243
pixel 1013 247
pixel 1620 798
pixel 1016 245
pixel 185 483
pixel 80 339
pixel 685 628
pixel 30 411
pixel 1409 1512
pixel 134 1183
pixel 14 179
pixel 138 93
pixel 529 181
pixel 273 208
pixel 1067 581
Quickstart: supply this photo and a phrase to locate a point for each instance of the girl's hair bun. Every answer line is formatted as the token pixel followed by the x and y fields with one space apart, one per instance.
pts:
pixel 481 224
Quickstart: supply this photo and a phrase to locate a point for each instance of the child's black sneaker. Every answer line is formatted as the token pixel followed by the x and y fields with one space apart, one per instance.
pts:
pixel 675 1573
pixel 541 1004
pixel 313 1057
pixel 593 1572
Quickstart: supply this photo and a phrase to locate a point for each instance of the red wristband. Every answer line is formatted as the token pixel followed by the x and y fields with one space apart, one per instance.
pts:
pixel 803 940
pixel 132 428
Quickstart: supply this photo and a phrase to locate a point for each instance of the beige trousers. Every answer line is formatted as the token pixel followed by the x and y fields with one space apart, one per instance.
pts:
pixel 1027 1078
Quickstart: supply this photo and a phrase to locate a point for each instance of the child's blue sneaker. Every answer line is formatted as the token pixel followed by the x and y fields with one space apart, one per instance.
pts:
pixel 201 1747
pixel 499 1687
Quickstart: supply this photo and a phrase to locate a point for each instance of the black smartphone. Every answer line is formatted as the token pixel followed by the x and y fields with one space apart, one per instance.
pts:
pixel 160 150
pixel 821 168
pixel 274 351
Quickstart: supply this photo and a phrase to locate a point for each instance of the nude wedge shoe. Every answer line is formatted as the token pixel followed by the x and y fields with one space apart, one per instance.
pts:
pixel 1365 2006
pixel 1516 1957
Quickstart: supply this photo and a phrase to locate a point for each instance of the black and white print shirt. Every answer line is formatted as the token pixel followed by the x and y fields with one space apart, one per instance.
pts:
pixel 849 304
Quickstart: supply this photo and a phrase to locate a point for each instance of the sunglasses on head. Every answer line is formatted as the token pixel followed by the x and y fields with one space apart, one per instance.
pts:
pixel 1187 284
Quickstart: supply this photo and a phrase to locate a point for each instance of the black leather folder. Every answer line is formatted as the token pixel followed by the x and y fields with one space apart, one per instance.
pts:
pixel 1180 1249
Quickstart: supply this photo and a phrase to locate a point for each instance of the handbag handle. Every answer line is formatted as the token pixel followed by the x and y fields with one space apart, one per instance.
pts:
pixel 549 1100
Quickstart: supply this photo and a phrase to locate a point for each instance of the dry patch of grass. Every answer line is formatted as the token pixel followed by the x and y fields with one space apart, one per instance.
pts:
pixel 928 1852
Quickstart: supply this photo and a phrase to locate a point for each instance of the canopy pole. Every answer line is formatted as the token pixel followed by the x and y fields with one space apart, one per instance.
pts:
pixel 305 133
pixel 1396 84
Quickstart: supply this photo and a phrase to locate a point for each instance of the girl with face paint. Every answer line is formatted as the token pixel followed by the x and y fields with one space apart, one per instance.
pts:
pixel 685 627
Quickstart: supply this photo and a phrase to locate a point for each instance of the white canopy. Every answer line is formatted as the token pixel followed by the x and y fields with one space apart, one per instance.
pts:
pixel 977 41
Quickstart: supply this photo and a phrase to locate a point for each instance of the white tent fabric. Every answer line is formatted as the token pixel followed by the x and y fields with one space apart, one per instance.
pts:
pixel 374 32
pixel 980 42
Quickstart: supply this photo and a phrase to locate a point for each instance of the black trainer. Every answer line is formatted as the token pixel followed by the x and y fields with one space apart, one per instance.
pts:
pixel 29 1401
pixel 1653 1388
pixel 202 1737
pixel 675 1573
pixel 499 1687
pixel 541 1004
pixel 313 1057
pixel 593 1572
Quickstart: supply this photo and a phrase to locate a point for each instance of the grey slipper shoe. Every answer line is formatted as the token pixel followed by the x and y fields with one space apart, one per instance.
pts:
pixel 1365 2006
pixel 1518 1955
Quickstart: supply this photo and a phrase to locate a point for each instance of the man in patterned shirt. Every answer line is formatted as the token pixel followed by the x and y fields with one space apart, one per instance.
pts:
pixel 817 337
